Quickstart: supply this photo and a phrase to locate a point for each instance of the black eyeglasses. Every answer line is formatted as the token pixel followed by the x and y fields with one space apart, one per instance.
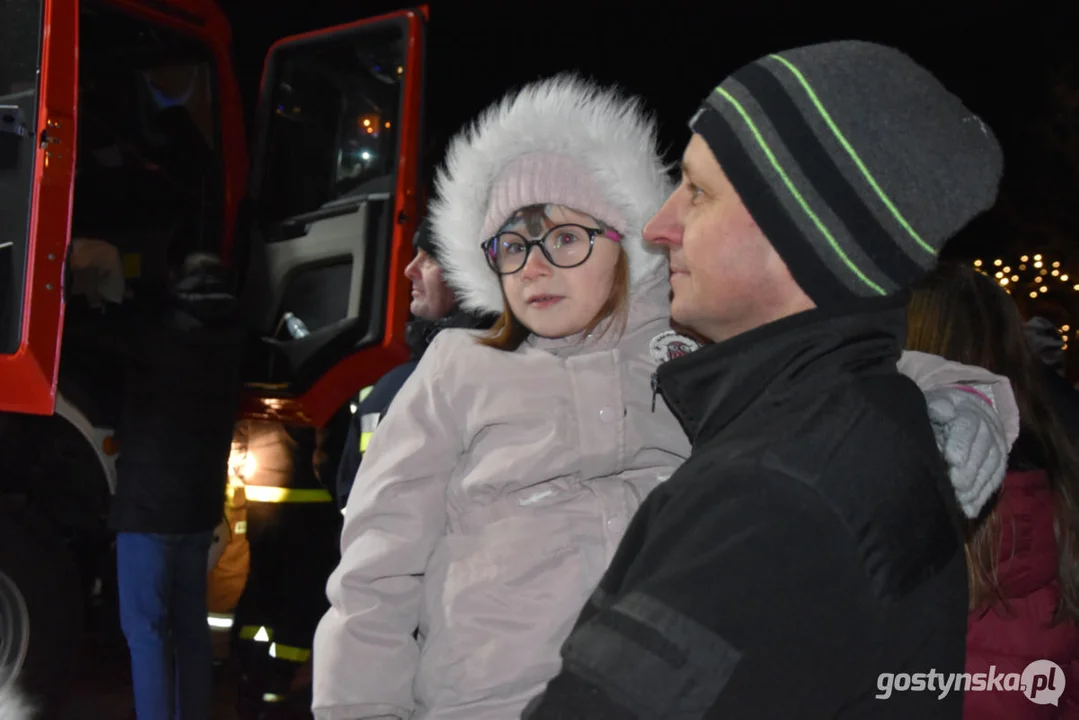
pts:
pixel 564 246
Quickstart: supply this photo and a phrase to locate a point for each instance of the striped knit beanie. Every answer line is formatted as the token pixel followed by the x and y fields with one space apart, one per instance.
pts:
pixel 856 163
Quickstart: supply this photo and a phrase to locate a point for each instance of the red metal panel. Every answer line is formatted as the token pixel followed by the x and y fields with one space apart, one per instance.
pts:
pixel 28 377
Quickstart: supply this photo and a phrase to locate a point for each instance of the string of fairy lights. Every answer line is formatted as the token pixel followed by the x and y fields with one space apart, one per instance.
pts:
pixel 1034 275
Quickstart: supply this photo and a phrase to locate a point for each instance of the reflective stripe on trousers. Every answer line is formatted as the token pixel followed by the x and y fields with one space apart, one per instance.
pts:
pixel 256 633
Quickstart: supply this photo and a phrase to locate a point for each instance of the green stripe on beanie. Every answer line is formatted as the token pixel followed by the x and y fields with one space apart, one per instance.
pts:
pixel 855 161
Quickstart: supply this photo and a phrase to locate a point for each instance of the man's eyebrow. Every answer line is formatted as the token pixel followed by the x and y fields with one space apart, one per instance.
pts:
pixel 688 172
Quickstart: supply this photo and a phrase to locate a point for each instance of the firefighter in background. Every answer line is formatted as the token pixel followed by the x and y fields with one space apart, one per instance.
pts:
pixel 230 555
pixel 293 532
pixel 434 308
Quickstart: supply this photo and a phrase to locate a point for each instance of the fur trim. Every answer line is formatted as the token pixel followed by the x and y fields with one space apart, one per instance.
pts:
pixel 14 705
pixel 606 132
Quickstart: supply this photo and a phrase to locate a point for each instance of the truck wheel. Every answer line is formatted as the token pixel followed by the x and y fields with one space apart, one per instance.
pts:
pixel 40 607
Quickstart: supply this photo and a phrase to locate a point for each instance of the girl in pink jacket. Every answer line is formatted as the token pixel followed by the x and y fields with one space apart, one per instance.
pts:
pixel 497 487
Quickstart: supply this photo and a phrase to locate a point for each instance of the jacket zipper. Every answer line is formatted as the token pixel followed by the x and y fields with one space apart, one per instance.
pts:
pixel 655 389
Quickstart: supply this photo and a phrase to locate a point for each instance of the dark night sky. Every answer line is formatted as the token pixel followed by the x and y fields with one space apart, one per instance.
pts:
pixel 1001 62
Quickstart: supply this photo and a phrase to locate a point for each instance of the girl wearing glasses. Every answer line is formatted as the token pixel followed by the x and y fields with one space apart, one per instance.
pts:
pixel 498 486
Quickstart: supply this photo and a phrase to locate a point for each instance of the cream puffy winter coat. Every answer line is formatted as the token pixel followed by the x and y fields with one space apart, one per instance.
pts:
pixel 489 503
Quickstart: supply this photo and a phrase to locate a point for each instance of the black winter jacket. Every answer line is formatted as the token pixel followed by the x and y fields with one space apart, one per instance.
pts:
pixel 809 543
pixel 178 411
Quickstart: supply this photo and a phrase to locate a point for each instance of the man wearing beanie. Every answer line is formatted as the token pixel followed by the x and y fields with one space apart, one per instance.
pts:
pixel 805 562
pixel 434 307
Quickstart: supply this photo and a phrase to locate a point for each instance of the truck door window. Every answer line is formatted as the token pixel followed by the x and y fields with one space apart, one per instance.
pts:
pixel 332 132
pixel 20 22
pixel 148 176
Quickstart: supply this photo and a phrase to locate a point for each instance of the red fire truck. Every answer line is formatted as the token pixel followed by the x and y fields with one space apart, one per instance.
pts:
pixel 122 146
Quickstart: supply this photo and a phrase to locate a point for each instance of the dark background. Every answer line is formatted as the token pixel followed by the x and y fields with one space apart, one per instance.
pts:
pixel 1013 63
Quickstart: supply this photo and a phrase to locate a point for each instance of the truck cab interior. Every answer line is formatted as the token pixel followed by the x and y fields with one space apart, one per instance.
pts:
pixel 323 199
pixel 148 181
pixel 314 237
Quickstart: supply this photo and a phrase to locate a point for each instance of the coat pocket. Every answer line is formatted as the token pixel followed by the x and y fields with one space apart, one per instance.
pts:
pixel 507 602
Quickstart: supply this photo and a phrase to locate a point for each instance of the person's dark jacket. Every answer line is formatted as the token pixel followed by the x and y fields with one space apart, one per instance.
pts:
pixel 808 544
pixel 376 401
pixel 178 411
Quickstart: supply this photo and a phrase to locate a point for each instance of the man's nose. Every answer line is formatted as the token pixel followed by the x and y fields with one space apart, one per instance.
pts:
pixel 536 265
pixel 412 269
pixel 665 227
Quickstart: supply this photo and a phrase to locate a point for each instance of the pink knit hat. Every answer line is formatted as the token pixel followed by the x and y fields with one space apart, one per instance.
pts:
pixel 541 178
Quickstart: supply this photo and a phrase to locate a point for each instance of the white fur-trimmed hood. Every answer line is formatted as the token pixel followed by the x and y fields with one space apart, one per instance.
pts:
pixel 607 133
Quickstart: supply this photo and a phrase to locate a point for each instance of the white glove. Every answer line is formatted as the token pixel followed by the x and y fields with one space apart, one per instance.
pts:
pixel 972 439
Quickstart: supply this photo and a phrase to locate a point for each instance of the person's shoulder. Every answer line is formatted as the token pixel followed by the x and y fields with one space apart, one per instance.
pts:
pixel 867 438
pixel 876 423
pixel 455 355
pixel 386 388
pixel 396 375
pixel 890 424
pixel 901 536
pixel 870 453
pixel 455 346
pixel 458 337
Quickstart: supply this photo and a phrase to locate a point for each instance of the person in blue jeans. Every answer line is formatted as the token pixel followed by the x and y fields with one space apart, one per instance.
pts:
pixel 163 615
pixel 175 432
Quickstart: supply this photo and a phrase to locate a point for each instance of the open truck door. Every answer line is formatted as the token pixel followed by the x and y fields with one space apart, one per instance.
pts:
pixel 333 202
pixel 334 199
pixel 38 86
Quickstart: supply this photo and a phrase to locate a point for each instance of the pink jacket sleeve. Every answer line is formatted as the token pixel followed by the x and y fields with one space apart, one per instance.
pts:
pixel 931 372
pixel 365 656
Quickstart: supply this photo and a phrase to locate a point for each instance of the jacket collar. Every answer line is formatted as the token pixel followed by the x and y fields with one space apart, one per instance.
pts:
pixel 711 388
